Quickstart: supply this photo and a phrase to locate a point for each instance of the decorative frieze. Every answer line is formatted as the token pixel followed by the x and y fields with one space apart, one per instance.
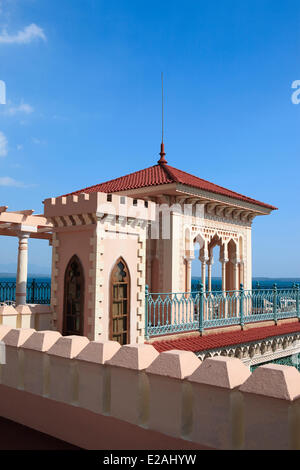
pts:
pixel 258 352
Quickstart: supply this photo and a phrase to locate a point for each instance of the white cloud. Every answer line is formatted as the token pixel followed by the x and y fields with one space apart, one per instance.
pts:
pixel 25 36
pixel 11 182
pixel 38 141
pixel 3 145
pixel 23 108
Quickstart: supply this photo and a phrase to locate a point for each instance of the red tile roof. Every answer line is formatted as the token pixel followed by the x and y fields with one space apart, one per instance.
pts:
pixel 164 174
pixel 218 340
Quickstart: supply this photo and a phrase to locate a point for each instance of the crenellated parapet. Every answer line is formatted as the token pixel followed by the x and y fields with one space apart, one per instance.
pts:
pixel 98 229
pixel 85 209
pixel 103 392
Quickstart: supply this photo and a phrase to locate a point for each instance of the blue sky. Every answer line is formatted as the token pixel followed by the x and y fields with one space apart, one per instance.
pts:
pixel 84 103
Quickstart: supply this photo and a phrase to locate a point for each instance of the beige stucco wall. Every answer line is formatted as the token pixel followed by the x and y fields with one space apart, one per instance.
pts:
pixel 99 230
pixel 71 388
pixel 68 244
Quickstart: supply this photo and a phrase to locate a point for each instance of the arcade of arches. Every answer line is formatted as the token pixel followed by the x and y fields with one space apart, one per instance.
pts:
pixel 231 259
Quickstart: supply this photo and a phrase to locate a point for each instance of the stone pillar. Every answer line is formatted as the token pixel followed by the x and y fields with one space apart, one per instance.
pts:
pixel 236 274
pixel 188 260
pixel 203 274
pixel 241 268
pixel 224 261
pixel 209 268
pixel 204 258
pixel 22 269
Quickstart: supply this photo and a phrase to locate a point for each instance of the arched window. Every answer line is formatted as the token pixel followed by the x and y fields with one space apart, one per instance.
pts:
pixel 119 302
pixel 73 298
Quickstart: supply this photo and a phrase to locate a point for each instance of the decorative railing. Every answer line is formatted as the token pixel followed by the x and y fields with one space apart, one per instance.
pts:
pixel 37 292
pixel 7 291
pixel 199 310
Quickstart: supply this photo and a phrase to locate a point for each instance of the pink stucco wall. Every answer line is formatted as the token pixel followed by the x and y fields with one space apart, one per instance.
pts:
pixel 73 243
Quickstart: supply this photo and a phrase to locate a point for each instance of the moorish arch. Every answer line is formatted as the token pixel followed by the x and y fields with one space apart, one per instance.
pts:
pixel 216 241
pixel 199 240
pixel 73 312
pixel 230 257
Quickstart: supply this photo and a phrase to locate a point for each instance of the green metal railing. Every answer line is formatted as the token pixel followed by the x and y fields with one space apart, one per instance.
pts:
pixel 37 292
pixel 199 310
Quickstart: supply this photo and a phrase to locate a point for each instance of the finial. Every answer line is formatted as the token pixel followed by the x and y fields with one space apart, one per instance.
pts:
pixel 162 146
pixel 162 154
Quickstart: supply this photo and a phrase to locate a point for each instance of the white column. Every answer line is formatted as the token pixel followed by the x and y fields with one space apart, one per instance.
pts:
pixel 22 269
pixel 209 269
pixel 203 273
pixel 188 261
pixel 236 275
pixel 242 272
pixel 224 262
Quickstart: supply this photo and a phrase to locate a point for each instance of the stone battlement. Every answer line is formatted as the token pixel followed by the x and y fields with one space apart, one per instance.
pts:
pixel 99 395
pixel 36 316
pixel 99 204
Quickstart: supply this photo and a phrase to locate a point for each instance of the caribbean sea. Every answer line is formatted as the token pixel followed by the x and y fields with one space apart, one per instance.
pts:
pixel 257 282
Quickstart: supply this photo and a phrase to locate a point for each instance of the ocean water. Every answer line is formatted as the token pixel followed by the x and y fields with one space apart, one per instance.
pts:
pixel 257 282
pixel 30 279
pixel 264 283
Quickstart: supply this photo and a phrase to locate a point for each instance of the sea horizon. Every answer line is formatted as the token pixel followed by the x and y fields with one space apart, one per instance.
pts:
pixel 265 282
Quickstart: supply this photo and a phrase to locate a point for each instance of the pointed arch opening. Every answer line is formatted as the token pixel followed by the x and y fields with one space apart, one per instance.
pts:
pixel 73 315
pixel 119 318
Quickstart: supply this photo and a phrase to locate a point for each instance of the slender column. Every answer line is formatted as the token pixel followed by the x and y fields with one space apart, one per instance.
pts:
pixel 241 272
pixel 203 274
pixel 224 261
pixel 188 261
pixel 22 269
pixel 236 275
pixel 209 269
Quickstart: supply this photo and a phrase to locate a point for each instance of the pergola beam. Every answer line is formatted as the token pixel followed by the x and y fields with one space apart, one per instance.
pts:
pixel 22 218
pixel 25 212
pixel 36 235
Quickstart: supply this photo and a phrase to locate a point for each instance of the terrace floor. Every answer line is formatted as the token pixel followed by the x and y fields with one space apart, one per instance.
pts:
pixel 14 436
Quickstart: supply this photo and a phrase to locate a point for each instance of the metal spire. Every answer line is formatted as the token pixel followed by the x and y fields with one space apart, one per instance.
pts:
pixel 162 146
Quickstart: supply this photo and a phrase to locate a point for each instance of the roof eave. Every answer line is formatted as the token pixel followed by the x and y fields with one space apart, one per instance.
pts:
pixel 260 209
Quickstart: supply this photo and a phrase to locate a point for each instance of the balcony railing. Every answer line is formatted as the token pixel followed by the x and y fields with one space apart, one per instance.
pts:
pixel 37 292
pixel 199 310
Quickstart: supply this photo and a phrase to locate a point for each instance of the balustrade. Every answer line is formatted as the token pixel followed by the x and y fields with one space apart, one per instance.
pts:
pixel 199 310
